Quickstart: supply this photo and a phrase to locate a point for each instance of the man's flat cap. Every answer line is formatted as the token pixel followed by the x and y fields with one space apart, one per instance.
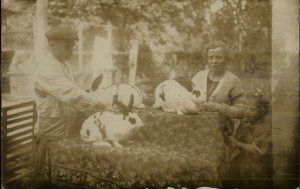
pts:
pixel 61 33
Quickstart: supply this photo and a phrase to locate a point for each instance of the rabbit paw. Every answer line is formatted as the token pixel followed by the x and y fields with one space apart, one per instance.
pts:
pixel 117 144
pixel 101 144
pixel 156 106
pixel 179 112
pixel 141 106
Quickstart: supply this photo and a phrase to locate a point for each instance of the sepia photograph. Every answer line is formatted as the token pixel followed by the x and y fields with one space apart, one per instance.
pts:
pixel 150 94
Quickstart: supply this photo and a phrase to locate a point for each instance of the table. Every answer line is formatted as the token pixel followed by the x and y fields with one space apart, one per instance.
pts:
pixel 170 150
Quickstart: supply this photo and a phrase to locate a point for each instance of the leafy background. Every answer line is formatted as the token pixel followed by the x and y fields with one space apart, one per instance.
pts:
pixel 172 34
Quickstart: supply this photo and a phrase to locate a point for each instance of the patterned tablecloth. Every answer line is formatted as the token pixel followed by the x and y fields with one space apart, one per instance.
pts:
pixel 170 150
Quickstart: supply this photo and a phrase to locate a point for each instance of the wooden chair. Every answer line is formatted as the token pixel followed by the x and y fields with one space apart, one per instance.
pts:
pixel 17 126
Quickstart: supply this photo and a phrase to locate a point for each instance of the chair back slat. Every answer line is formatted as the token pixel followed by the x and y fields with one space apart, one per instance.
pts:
pixel 15 147
pixel 19 141
pixel 17 126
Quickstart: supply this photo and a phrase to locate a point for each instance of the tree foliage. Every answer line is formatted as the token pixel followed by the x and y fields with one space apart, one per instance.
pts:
pixel 182 27
pixel 157 22
pixel 174 25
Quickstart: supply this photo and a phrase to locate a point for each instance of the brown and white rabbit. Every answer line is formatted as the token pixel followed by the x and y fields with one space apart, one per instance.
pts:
pixel 109 127
pixel 124 91
pixel 180 96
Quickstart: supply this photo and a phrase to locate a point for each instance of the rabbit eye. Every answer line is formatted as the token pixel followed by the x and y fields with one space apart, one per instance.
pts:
pixel 88 132
pixel 196 93
pixel 132 120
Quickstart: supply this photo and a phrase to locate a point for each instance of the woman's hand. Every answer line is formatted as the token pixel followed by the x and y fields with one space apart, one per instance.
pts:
pixel 250 148
pixel 212 106
pixel 233 140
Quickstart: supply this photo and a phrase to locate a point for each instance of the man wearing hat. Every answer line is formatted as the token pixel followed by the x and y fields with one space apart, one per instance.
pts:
pixel 58 97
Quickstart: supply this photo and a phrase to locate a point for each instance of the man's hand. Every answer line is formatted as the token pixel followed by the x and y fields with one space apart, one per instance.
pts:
pixel 212 106
pixel 100 106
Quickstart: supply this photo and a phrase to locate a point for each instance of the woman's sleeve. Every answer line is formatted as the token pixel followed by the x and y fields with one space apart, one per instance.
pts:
pixel 236 111
pixel 237 93
pixel 195 79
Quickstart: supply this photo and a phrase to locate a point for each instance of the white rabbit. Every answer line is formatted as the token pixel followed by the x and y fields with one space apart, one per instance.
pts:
pixel 110 127
pixel 124 91
pixel 180 96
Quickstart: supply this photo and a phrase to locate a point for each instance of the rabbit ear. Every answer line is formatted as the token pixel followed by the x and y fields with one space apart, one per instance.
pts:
pixel 130 105
pixel 115 99
pixel 96 83
pixel 122 108
pixel 162 95
pixel 186 83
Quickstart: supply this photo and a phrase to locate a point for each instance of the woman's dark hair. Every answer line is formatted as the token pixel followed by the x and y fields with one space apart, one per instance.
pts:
pixel 215 44
pixel 263 106
pixel 262 103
